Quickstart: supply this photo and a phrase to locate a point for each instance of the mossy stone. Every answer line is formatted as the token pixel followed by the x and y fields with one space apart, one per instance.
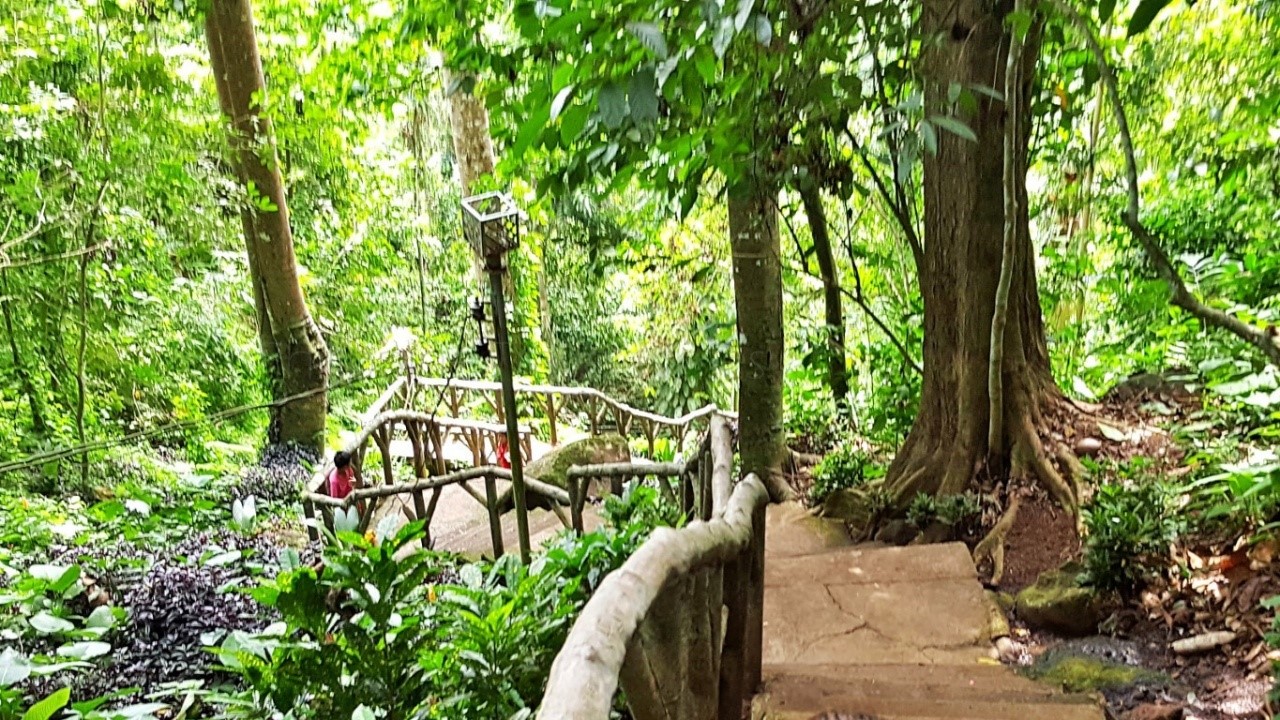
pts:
pixel 553 468
pixel 1080 673
pixel 1059 603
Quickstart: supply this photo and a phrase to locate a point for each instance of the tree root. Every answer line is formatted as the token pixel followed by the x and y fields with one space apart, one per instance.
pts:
pixel 1034 459
pixel 992 546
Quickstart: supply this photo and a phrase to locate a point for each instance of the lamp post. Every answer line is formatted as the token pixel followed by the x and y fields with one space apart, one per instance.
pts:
pixel 491 224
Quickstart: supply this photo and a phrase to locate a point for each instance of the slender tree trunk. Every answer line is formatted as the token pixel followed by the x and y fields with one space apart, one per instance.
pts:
pixel 299 349
pixel 837 367
pixel 963 249
pixel 38 425
pixel 757 289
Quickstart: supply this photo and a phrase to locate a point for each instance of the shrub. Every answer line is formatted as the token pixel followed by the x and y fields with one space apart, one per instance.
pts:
pixel 957 511
pixel 844 468
pixel 1128 531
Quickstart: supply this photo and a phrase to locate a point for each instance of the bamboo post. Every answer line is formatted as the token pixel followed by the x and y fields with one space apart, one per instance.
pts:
pixel 577 496
pixel 551 418
pixel 309 511
pixel 733 674
pixel 495 521
pixel 383 438
pixel 431 513
pixel 753 655
pixel 420 507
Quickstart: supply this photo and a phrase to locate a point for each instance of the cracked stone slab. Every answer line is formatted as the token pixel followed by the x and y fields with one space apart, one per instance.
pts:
pixel 940 621
pixel 871 565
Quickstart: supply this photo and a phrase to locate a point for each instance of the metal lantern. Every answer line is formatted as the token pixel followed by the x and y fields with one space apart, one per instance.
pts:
pixel 491 224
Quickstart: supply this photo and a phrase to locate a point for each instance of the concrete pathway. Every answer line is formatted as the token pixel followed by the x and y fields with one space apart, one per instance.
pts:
pixel 883 633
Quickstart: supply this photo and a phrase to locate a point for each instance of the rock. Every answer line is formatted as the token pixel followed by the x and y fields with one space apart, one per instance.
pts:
pixel 855 507
pixel 1057 602
pixel 936 533
pixel 897 532
pixel 1155 711
pixel 553 467
pixel 1088 446
pixel 1202 643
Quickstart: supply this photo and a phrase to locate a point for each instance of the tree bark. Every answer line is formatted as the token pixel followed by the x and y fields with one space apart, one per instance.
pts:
pixel 292 343
pixel 833 306
pixel 472 144
pixel 38 424
pixel 757 290
pixel 962 258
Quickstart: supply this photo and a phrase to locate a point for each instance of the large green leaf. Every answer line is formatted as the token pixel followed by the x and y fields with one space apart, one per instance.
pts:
pixel 1145 14
pixel 613 105
pixel 650 36
pixel 643 96
pixel 47 707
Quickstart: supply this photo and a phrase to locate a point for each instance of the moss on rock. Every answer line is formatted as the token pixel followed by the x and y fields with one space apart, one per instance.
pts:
pixel 1078 673
pixel 1059 603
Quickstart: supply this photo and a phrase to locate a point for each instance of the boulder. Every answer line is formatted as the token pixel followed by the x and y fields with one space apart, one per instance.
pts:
pixel 856 507
pixel 553 468
pixel 1059 603
pixel 897 532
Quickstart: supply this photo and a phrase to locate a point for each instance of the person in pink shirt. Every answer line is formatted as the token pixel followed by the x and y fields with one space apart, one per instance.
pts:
pixel 343 476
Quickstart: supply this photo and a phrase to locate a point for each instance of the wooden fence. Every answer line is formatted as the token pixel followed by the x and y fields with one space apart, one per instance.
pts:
pixel 391 420
pixel 548 409
pixel 679 626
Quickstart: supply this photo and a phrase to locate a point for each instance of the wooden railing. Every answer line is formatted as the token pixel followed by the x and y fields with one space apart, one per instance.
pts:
pixel 549 409
pixel 409 439
pixel 679 626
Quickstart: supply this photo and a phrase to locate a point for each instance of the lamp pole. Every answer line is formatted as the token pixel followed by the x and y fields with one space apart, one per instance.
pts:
pixel 491 224
pixel 509 403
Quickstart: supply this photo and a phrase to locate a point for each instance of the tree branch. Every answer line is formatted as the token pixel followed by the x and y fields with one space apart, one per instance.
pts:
pixel 1264 339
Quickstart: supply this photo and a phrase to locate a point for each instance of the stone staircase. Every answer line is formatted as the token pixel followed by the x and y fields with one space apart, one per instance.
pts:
pixel 884 633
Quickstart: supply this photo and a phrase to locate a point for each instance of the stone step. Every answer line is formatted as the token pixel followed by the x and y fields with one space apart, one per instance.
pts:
pixel 974 682
pixel 793 530
pixel 963 680
pixel 804 696
pixel 862 564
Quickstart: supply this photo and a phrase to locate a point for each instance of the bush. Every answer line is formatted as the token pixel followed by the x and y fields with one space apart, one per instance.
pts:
pixel 416 635
pixel 956 511
pixel 1128 531
pixel 844 468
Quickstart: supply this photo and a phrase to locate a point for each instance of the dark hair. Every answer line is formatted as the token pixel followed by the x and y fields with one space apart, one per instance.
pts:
pixel 341 459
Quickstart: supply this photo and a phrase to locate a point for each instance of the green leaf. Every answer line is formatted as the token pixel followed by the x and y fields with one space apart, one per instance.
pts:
pixel 14 667
pixel 530 130
pixel 47 624
pixel 47 707
pixel 744 13
pixel 643 96
pixel 650 36
pixel 66 580
pixel 1144 15
pixel 222 559
pixel 613 105
pixel 1105 9
pixel 1019 21
pixel 929 137
pixel 84 650
pixel 562 97
pixel 572 123
pixel 764 30
pixel 954 126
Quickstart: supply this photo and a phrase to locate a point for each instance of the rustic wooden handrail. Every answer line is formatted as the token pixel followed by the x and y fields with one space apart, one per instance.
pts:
pixel 597 406
pixel 679 626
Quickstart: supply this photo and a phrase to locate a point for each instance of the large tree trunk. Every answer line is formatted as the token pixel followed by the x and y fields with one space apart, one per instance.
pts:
pixel 297 357
pixel 964 223
pixel 757 290
pixel 837 367
pixel 472 144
